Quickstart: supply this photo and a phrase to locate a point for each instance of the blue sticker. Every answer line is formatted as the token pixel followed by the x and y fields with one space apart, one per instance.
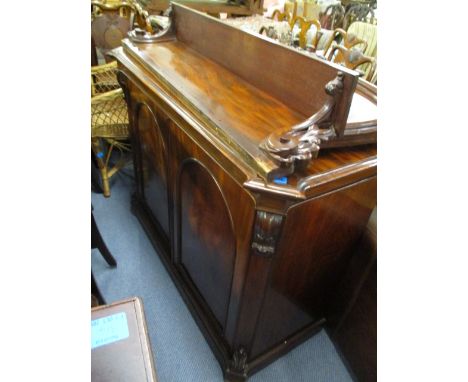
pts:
pixel 109 329
pixel 100 154
pixel 283 180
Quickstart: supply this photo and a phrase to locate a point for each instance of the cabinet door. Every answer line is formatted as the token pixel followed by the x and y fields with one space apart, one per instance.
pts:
pixel 212 215
pixel 152 152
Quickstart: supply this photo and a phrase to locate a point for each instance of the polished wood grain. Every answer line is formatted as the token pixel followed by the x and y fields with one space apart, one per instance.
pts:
pixel 154 164
pixel 244 53
pixel 352 308
pixel 241 109
pixel 244 115
pixel 226 79
pixel 184 150
pixel 207 257
pixel 315 254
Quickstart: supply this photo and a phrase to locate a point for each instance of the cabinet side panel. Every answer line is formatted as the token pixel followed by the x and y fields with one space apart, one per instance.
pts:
pixel 314 249
pixel 208 245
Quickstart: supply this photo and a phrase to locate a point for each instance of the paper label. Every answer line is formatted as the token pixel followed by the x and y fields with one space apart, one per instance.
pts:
pixel 109 329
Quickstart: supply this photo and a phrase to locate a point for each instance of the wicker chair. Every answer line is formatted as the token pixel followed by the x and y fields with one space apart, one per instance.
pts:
pixel 109 122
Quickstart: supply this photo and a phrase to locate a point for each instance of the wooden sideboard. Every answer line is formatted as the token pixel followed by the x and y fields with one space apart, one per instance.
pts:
pixel 254 230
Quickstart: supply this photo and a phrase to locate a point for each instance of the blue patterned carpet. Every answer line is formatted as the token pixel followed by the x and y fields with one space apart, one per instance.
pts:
pixel 181 353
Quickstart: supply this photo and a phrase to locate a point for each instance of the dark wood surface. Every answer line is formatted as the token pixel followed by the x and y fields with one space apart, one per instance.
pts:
pixel 315 254
pixel 203 212
pixel 153 159
pixel 242 53
pixel 253 260
pixel 351 309
pixel 243 116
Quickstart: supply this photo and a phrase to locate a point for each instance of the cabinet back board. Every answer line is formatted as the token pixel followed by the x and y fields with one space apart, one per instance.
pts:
pixel 294 78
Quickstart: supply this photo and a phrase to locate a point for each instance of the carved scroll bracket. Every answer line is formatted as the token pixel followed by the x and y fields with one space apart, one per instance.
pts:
pixel 266 232
pixel 296 148
pixel 146 32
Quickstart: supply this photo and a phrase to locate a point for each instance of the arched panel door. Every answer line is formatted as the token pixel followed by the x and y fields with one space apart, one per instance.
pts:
pixel 207 244
pixel 153 165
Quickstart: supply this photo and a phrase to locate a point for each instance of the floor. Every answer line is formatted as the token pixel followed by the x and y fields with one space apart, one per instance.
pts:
pixel 181 353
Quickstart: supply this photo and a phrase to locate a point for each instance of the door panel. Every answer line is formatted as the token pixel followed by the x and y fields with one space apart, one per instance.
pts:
pixel 208 245
pixel 154 165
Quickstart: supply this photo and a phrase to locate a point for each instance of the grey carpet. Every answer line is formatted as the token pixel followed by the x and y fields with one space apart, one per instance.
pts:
pixel 180 351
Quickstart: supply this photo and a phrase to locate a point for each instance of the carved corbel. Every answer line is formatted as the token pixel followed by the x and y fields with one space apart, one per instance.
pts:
pixel 266 232
pixel 146 33
pixel 237 368
pixel 294 149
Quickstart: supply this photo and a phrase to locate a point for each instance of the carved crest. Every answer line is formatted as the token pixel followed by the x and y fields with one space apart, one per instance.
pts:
pixel 149 29
pixel 295 148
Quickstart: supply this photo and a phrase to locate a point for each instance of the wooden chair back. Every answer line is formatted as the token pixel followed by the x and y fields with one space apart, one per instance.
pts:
pixel 332 17
pixel 368 33
pixel 359 12
pixel 350 58
pixel 348 40
pixel 282 16
pixel 304 26
pixel 111 20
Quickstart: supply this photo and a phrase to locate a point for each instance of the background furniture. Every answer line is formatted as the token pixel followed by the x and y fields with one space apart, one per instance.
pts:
pixel 368 33
pixel 109 122
pixel 350 58
pixel 212 7
pixel 282 16
pixel 304 27
pixel 300 27
pixel 120 345
pixel 110 22
pixel 98 243
pixel 348 40
pixel 352 308
pixel 358 12
pixel 332 17
pixel 253 244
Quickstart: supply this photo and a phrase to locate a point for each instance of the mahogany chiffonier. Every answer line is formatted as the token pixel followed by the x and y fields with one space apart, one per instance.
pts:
pixel 255 175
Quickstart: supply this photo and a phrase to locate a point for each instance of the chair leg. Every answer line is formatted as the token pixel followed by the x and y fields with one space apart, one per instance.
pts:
pixel 99 155
pixel 95 177
pixel 98 242
pixel 96 292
